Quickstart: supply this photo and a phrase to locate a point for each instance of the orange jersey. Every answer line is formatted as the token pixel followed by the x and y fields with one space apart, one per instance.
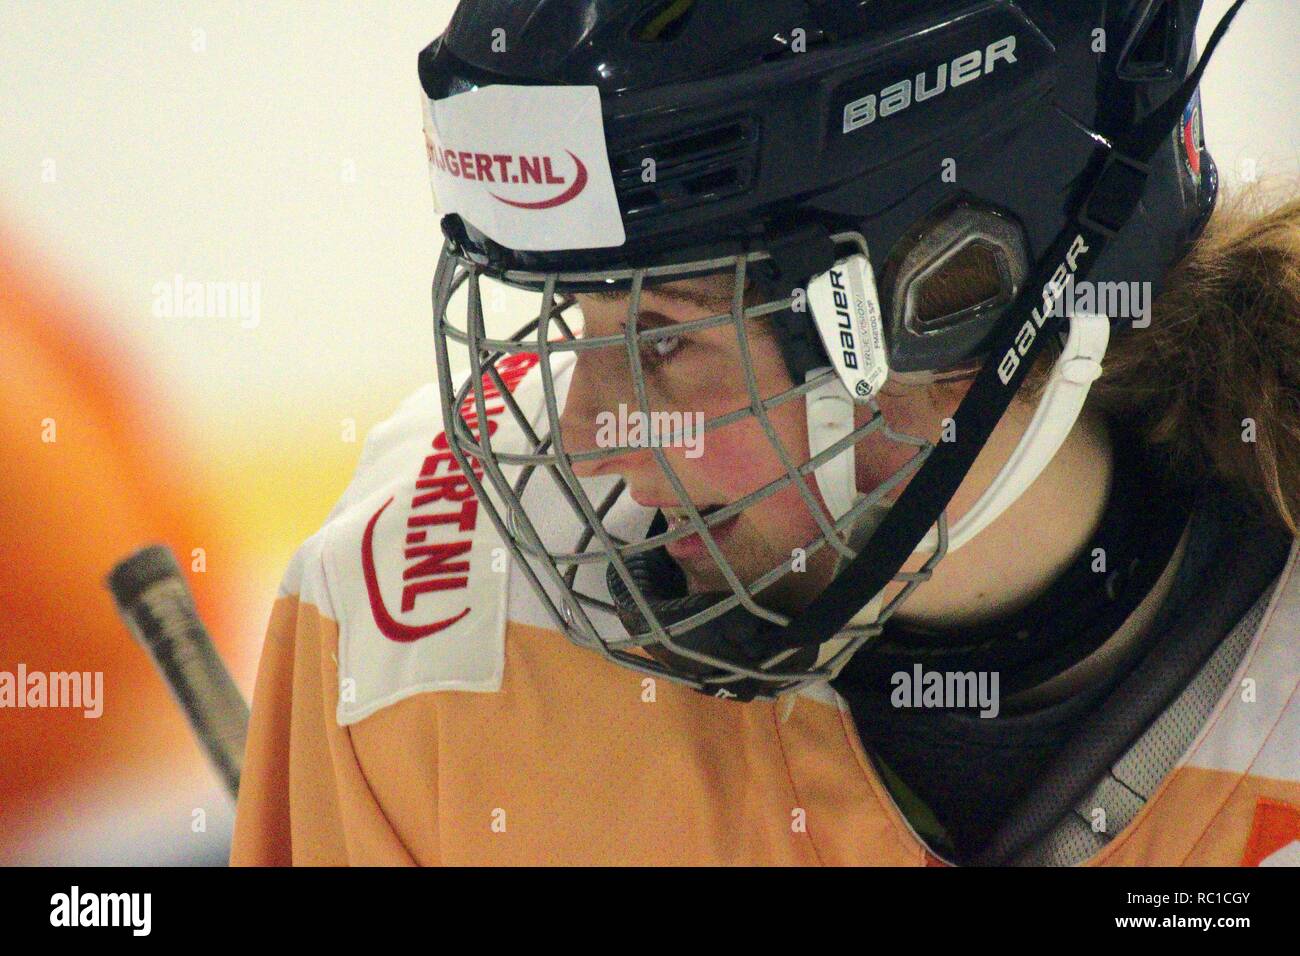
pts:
pixel 415 705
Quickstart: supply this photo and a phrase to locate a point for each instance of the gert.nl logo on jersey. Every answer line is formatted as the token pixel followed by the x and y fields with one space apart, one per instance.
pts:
pixel 423 555
pixel 535 181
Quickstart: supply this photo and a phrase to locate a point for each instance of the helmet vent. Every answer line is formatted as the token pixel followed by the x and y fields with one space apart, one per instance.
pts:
pixel 1151 51
pixel 687 170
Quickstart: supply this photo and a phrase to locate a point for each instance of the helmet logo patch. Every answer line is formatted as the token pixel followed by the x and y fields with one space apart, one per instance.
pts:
pixel 1193 138
pixel 846 310
pixel 526 166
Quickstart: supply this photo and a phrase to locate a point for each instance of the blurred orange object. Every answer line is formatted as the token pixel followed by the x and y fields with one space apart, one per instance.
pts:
pixel 90 470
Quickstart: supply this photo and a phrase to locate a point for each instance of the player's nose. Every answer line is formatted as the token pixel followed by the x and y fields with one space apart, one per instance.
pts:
pixel 598 393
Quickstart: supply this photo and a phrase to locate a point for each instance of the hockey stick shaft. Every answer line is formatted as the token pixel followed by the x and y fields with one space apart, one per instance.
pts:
pixel 155 602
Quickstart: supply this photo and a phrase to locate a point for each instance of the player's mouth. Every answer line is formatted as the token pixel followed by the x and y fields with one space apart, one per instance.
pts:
pixel 691 547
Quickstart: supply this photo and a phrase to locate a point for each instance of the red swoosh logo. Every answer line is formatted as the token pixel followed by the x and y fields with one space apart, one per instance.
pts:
pixel 391 628
pixel 579 184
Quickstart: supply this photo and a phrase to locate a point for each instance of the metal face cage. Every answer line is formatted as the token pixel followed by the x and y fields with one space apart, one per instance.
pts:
pixel 594 567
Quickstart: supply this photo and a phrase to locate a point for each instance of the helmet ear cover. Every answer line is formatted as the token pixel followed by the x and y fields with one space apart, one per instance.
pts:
pixel 949 284
pixel 946 288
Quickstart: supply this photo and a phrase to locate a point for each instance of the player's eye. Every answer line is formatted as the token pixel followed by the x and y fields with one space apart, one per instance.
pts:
pixel 667 346
pixel 660 349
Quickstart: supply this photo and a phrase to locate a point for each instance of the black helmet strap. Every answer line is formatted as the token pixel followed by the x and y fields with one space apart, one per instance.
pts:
pixel 1117 184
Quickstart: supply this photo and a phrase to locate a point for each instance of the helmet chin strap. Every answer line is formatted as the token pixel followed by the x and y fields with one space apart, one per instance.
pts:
pixel 830 419
pixel 1059 408
pixel 830 411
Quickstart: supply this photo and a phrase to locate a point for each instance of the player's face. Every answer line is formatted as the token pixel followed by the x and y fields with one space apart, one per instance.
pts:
pixel 701 376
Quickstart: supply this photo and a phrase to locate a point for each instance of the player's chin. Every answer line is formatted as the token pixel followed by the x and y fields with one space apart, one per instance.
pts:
pixel 703 572
pixel 750 556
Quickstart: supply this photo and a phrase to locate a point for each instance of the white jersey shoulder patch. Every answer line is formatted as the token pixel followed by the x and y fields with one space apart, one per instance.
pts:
pixel 416 575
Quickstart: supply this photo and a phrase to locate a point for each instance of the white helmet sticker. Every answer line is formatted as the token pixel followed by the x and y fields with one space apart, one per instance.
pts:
pixel 525 165
pixel 846 311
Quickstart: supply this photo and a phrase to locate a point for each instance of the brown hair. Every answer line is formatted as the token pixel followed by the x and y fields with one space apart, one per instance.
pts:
pixel 1213 383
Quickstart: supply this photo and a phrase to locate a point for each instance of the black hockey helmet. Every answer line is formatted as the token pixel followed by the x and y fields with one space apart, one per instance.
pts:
pixel 837 152
pixel 938 129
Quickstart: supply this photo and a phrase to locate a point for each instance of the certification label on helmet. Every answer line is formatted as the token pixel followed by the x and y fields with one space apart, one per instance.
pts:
pixel 846 310
pixel 525 165
pixel 1193 137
